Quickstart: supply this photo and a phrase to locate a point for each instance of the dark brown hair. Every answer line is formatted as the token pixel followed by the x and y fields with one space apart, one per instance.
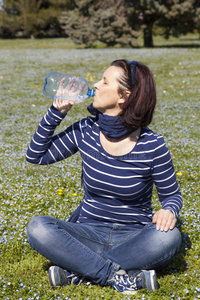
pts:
pixel 139 106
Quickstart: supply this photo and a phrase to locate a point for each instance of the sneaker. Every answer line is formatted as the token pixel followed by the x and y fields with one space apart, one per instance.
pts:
pixel 147 279
pixel 59 277
pixel 129 283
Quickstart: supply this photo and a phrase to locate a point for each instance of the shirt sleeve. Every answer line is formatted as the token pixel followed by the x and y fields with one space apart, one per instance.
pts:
pixel 45 148
pixel 164 178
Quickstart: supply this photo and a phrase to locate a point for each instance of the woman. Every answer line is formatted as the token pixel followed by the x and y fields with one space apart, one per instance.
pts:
pixel 112 238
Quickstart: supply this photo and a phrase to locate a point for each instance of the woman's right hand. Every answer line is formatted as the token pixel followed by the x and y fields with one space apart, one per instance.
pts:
pixel 69 92
pixel 63 105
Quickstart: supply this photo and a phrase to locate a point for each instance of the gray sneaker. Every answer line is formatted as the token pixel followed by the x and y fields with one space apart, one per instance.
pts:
pixel 147 279
pixel 129 283
pixel 59 277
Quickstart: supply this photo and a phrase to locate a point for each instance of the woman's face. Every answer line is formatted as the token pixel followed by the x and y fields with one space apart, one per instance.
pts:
pixel 107 98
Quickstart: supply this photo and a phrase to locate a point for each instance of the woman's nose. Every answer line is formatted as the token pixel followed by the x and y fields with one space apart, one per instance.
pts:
pixel 96 86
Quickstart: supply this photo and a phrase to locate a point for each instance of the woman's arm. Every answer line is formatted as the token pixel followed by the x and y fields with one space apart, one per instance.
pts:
pixel 167 187
pixel 47 149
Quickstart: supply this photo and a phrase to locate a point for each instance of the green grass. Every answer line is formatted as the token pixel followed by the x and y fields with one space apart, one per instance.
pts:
pixel 189 40
pixel 59 43
pixel 27 190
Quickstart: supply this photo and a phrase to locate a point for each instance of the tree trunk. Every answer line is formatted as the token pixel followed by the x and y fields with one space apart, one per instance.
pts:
pixel 148 35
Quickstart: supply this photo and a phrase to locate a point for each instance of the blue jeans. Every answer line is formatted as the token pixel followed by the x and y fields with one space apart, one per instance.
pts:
pixel 96 251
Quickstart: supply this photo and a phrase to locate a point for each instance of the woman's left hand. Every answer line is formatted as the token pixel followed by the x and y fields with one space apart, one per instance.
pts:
pixel 164 220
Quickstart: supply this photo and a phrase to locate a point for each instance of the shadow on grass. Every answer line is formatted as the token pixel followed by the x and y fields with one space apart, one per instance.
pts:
pixel 190 39
pixel 178 46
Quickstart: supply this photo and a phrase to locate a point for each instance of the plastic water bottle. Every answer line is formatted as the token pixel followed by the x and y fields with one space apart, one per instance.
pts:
pixel 66 87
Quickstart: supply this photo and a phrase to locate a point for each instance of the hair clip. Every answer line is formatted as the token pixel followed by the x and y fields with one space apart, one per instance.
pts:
pixel 133 65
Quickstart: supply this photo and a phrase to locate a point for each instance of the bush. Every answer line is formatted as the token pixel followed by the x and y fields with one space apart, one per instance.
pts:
pixel 9 26
pixel 42 24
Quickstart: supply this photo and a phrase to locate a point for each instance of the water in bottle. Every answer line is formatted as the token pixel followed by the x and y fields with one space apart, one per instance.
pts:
pixel 66 87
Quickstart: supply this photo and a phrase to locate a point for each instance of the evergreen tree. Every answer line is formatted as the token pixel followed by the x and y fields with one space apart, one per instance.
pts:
pixel 197 20
pixel 122 21
pixel 102 20
pixel 175 16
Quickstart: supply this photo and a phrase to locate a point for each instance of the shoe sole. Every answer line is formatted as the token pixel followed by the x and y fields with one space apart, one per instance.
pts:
pixel 56 276
pixel 129 292
pixel 51 276
pixel 151 280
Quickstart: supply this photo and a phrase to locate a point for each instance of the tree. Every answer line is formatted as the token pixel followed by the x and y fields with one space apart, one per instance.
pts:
pixel 197 20
pixel 144 13
pixel 35 18
pixel 175 16
pixel 27 9
pixel 102 20
pixel 122 21
pixel 179 19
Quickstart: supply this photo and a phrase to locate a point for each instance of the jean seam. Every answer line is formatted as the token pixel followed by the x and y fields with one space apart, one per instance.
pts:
pixel 84 236
pixel 116 267
pixel 84 246
pixel 110 239
pixel 102 259
pixel 125 239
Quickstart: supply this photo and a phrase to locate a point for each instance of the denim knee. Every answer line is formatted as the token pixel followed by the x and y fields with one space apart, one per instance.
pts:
pixel 173 239
pixel 36 229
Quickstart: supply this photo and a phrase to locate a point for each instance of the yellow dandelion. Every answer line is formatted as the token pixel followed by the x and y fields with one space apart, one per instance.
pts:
pixel 192 176
pixel 91 78
pixel 74 194
pixel 179 173
pixel 60 192
pixel 88 75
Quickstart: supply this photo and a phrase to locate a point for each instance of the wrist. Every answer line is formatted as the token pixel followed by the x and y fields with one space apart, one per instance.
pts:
pixel 57 112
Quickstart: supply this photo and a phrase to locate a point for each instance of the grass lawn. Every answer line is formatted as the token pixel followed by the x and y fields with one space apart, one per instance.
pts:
pixel 27 190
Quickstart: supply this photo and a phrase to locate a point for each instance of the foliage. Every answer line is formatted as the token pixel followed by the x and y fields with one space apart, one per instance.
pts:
pixel 102 20
pixel 34 18
pixel 122 21
pixel 175 16
pixel 27 190
pixel 179 19
pixel 9 26
pixel 197 20
pixel 27 10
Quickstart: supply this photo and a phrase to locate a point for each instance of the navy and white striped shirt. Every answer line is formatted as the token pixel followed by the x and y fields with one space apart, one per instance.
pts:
pixel 118 189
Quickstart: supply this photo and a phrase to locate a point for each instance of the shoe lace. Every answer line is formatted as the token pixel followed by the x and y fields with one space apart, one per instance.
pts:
pixel 77 280
pixel 126 281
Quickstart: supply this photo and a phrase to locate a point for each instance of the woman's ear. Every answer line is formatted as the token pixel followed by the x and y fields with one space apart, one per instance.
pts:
pixel 124 97
pixel 127 93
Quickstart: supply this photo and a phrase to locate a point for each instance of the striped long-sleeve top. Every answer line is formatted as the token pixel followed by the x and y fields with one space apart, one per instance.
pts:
pixel 118 189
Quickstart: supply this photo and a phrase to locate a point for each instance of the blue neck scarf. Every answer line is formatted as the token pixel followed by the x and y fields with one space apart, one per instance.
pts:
pixel 111 126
